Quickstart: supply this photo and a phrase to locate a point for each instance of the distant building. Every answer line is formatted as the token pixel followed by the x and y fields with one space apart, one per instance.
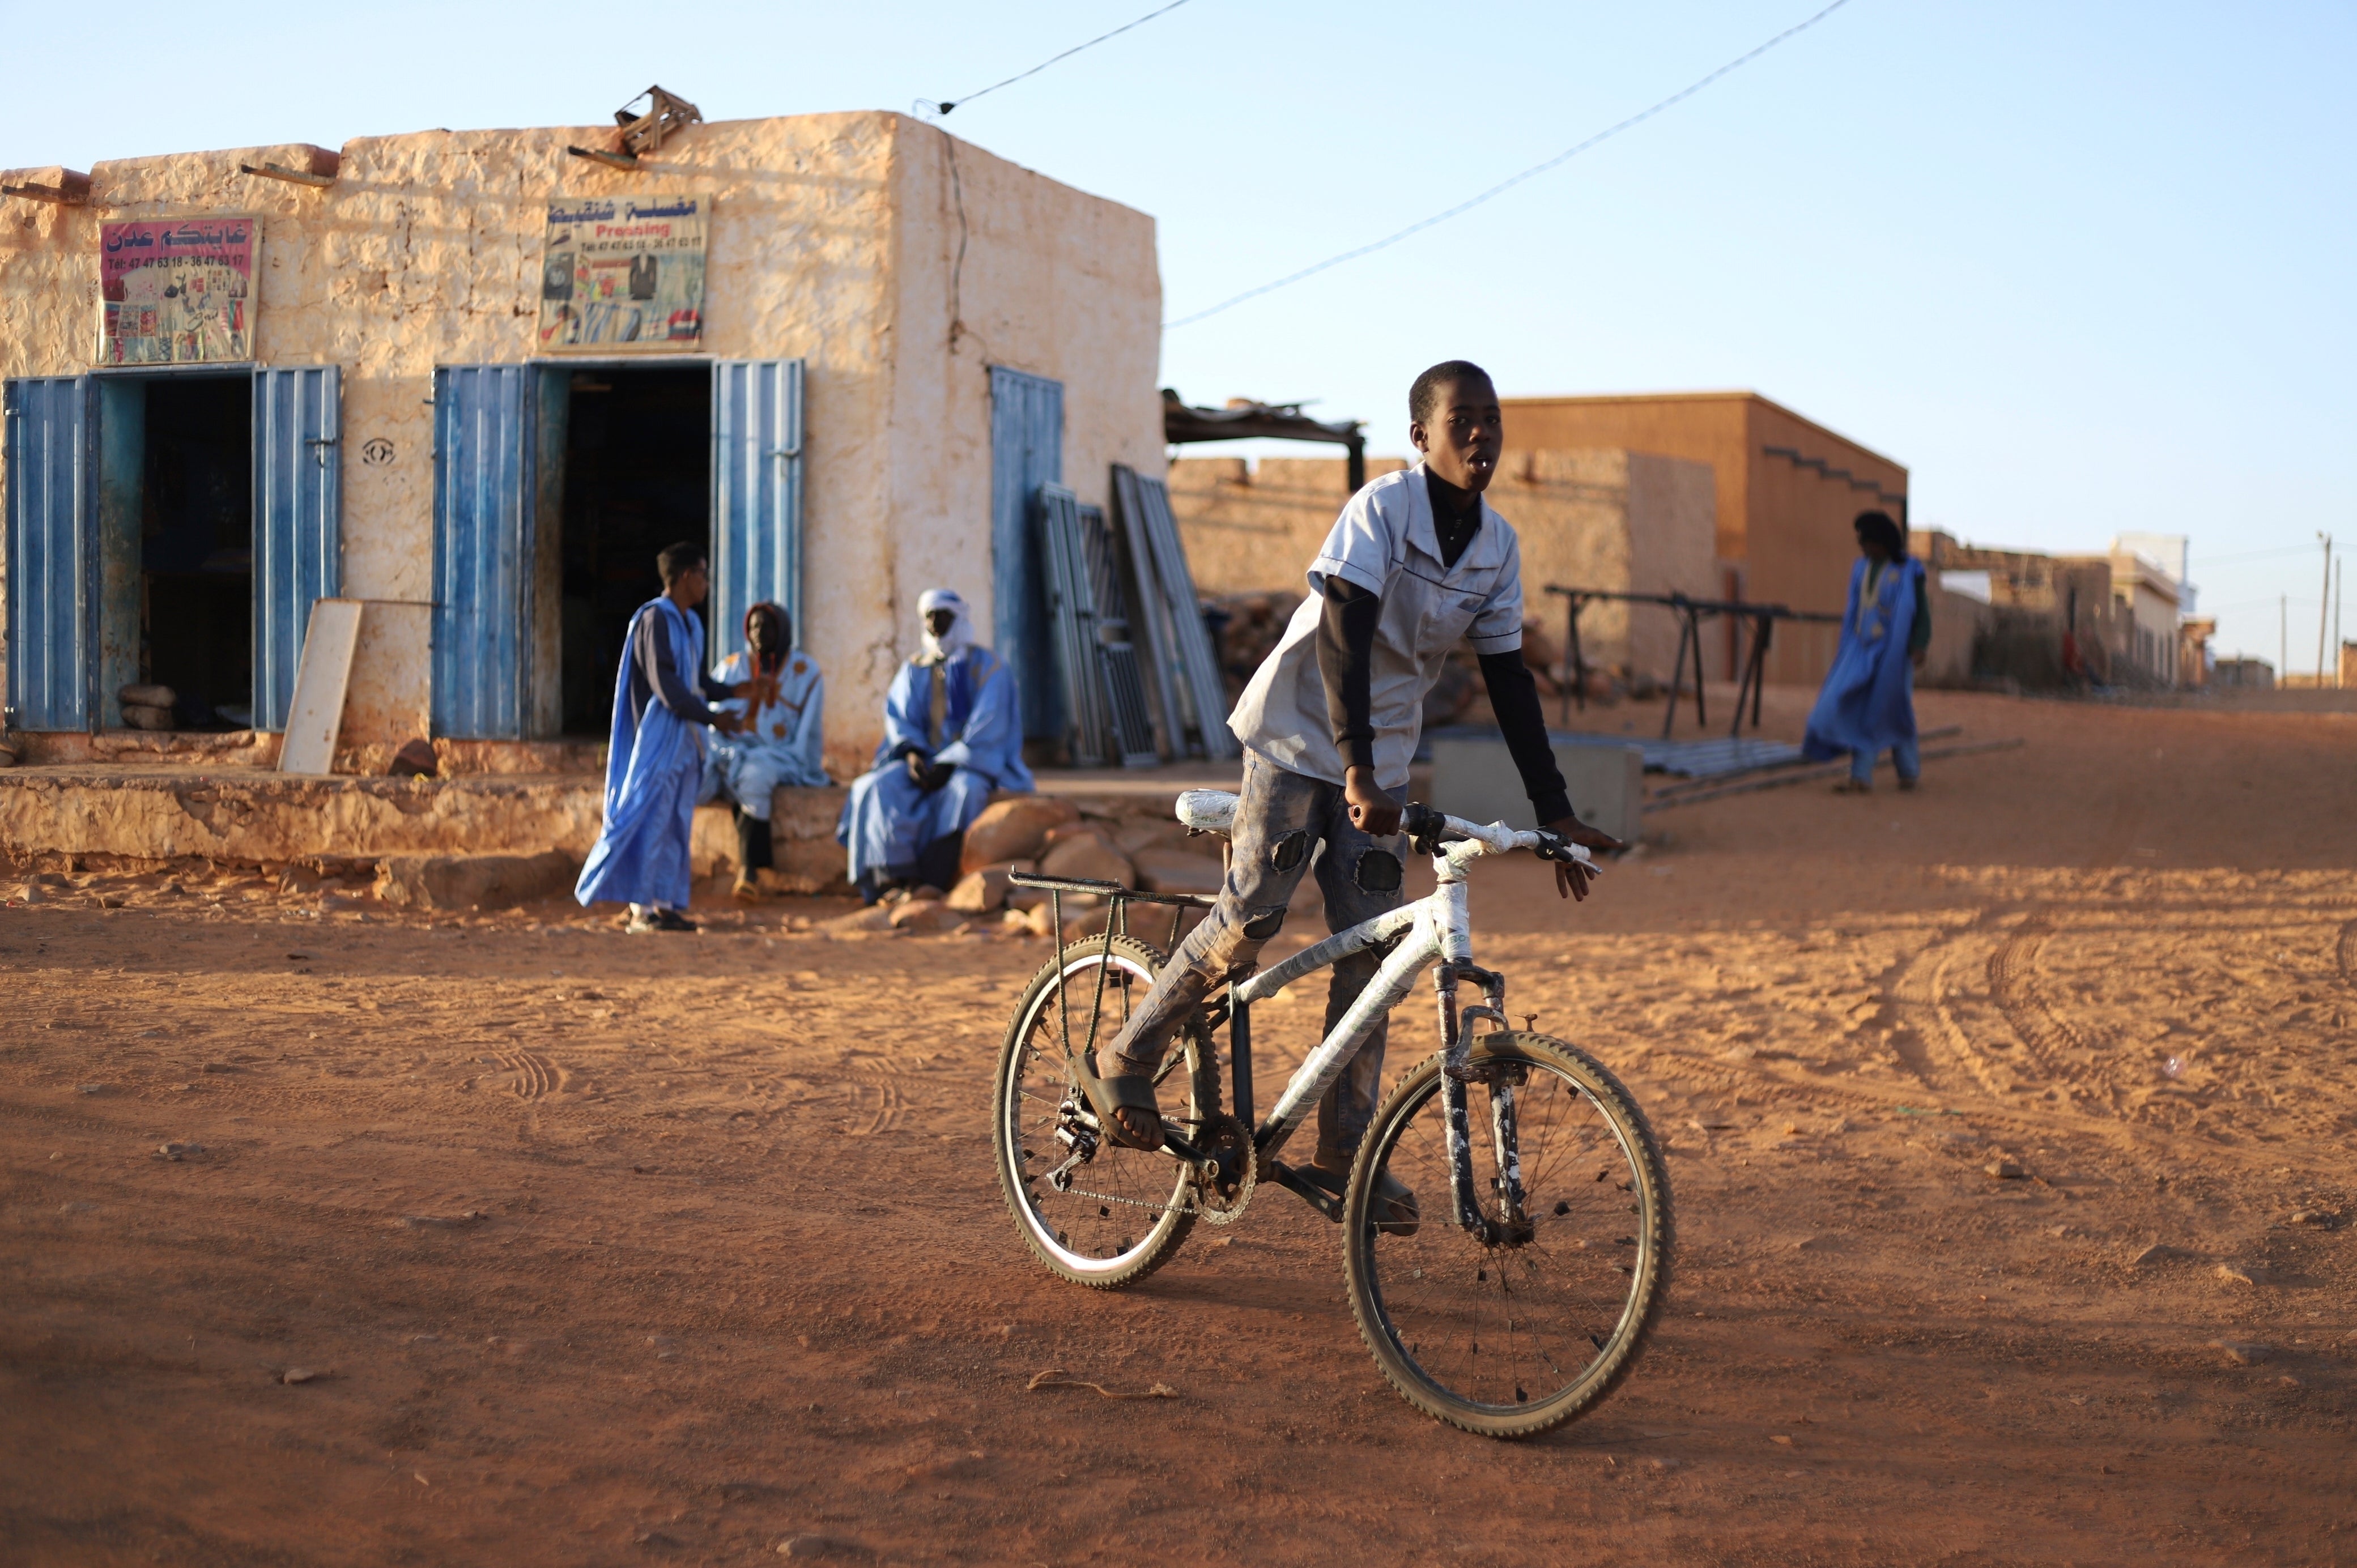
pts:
pixel 2193 662
pixel 1621 521
pixel 2243 675
pixel 2155 600
pixel 2116 618
pixel 1788 491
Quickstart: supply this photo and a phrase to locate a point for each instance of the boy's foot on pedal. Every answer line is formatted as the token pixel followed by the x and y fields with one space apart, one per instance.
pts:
pixel 1395 1208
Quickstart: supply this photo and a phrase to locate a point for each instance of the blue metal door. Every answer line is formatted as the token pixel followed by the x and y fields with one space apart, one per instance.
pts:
pixel 1026 450
pixel 757 495
pixel 52 553
pixel 297 522
pixel 484 417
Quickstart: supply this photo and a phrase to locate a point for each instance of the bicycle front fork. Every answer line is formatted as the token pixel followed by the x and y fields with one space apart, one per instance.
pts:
pixel 1458 1072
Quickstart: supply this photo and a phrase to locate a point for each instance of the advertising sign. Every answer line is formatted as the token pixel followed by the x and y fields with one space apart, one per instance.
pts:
pixel 624 272
pixel 176 291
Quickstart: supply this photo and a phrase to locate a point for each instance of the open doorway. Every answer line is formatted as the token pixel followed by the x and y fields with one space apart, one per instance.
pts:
pixel 196 547
pixel 636 477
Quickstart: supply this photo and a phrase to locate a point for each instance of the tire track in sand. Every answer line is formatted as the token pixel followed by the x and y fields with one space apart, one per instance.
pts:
pixel 534 1076
pixel 2013 986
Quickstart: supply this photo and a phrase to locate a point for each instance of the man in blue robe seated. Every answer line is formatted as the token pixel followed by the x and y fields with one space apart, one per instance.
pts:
pixel 1868 703
pixel 952 733
pixel 655 765
pixel 781 714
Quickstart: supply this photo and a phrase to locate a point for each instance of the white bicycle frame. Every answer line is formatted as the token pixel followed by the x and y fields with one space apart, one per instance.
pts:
pixel 1436 930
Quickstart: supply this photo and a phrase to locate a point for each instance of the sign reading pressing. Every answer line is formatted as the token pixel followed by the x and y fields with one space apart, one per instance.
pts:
pixel 176 291
pixel 624 272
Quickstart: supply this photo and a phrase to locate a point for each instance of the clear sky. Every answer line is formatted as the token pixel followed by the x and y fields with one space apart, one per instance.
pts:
pixel 2082 268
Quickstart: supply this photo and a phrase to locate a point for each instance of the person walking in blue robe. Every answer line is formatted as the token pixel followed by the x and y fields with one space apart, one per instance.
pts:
pixel 655 765
pixel 1868 703
pixel 952 733
pixel 782 716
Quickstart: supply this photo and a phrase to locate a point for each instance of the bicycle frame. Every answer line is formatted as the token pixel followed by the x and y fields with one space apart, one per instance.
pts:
pixel 1436 930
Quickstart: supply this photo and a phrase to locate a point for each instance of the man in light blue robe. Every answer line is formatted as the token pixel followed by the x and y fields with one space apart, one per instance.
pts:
pixel 782 716
pixel 655 765
pixel 952 733
pixel 1868 703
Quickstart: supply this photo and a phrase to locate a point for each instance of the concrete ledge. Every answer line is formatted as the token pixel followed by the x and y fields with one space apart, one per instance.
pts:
pixel 1474 777
pixel 253 816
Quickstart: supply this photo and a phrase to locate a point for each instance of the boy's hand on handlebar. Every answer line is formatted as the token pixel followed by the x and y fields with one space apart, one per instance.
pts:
pixel 1373 811
pixel 1571 879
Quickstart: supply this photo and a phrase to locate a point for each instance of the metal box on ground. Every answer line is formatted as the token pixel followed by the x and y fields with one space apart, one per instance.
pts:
pixel 1473 776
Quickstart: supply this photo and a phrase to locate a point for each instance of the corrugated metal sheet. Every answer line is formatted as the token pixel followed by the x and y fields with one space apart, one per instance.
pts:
pixel 297 522
pixel 483 418
pixel 1026 450
pixel 757 495
pixel 52 528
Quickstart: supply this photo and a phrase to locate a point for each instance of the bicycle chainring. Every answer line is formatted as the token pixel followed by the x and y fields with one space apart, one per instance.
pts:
pixel 1222 1201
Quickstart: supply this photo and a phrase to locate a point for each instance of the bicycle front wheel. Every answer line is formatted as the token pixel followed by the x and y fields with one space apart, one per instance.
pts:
pixel 1515 1327
pixel 1096 1213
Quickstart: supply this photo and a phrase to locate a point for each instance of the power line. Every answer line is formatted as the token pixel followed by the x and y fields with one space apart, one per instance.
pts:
pixel 1505 185
pixel 927 105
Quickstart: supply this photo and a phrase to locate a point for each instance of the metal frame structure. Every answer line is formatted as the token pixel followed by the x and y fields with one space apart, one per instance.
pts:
pixel 1572 674
pixel 1246 420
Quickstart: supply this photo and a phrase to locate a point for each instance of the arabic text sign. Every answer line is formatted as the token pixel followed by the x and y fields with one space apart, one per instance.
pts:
pixel 624 272
pixel 176 291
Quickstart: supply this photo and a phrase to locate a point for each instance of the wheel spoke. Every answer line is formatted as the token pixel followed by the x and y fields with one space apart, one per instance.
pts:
pixel 1121 1210
pixel 1522 1320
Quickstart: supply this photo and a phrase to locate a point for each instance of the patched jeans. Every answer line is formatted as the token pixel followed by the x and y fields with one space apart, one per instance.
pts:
pixel 1281 821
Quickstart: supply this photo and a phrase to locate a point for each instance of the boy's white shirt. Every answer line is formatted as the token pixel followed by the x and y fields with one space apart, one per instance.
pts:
pixel 1384 542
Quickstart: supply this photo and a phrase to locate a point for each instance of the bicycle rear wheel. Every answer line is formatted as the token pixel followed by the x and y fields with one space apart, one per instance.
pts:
pixel 1518 1329
pixel 1096 1213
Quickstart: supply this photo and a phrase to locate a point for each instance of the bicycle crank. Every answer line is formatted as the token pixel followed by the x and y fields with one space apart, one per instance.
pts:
pixel 1222 1191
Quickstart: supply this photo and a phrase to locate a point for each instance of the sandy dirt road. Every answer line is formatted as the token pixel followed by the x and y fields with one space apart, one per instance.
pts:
pixel 611 1250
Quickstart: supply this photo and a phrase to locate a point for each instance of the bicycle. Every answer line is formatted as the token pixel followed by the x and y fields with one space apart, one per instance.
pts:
pixel 1519 1307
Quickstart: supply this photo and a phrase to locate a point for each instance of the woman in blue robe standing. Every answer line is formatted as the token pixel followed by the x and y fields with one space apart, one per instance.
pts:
pixel 654 764
pixel 952 733
pixel 1868 703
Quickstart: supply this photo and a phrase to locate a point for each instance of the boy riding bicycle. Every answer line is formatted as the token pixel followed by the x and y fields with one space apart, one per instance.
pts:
pixel 1330 721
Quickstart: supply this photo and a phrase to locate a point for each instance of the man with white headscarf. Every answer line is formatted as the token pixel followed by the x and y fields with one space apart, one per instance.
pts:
pixel 952 733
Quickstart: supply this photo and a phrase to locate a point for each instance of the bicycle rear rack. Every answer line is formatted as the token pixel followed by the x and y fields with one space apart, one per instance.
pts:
pixel 1120 896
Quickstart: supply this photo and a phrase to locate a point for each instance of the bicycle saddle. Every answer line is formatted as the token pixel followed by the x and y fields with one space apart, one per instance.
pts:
pixel 1207 811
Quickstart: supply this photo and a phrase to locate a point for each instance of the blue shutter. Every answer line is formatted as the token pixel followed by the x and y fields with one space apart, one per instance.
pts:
pixel 52 553
pixel 483 422
pixel 297 522
pixel 757 495
pixel 1026 450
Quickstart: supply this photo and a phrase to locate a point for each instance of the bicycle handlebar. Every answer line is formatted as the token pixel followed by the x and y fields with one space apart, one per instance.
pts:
pixel 1428 829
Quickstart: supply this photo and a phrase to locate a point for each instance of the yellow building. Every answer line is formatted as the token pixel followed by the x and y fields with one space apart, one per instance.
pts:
pixel 1788 491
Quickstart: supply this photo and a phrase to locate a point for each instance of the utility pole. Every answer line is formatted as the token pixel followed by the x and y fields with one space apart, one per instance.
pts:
pixel 2283 640
pixel 2338 657
pixel 2324 610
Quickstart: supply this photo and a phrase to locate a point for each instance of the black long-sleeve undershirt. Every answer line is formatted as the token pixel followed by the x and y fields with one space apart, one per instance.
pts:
pixel 1346 644
pixel 1514 699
